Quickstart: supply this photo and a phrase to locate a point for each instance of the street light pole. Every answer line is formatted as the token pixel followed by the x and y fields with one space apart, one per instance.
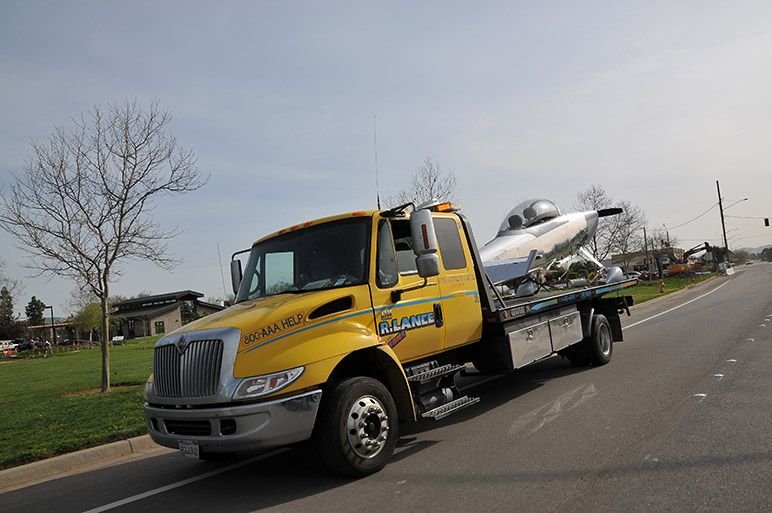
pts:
pixel 53 329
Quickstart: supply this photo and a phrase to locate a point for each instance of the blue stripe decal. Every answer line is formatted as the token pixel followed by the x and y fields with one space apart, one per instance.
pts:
pixel 368 311
pixel 546 303
pixel 413 303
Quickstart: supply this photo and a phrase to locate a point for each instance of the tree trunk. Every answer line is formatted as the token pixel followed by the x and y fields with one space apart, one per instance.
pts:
pixel 105 339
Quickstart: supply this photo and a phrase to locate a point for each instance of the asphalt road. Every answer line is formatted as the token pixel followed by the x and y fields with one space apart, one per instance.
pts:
pixel 678 421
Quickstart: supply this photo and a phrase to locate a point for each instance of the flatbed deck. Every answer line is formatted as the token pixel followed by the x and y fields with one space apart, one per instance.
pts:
pixel 516 308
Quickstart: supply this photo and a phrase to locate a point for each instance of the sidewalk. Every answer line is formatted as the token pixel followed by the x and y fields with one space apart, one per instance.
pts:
pixel 66 464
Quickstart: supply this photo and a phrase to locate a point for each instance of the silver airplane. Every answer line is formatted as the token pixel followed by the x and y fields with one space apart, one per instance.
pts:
pixel 536 234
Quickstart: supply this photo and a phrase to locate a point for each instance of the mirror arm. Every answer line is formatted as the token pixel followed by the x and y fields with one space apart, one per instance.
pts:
pixel 396 295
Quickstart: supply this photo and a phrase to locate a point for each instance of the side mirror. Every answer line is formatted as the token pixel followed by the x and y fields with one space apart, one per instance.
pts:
pixel 428 265
pixel 424 243
pixel 236 275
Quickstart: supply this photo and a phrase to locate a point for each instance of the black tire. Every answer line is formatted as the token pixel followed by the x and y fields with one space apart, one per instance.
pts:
pixel 356 429
pixel 595 349
pixel 599 347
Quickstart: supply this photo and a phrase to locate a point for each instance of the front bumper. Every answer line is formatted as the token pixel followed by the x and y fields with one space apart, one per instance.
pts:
pixel 236 428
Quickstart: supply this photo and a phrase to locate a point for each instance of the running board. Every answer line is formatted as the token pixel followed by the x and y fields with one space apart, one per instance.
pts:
pixel 425 376
pixel 451 407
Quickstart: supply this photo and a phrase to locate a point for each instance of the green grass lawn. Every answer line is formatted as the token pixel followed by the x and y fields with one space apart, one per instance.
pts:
pixel 645 290
pixel 51 405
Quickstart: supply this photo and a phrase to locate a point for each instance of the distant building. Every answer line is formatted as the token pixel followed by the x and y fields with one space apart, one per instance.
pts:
pixel 636 261
pixel 65 331
pixel 163 313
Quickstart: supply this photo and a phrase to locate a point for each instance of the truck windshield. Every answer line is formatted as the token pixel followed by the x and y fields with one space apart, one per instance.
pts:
pixel 327 256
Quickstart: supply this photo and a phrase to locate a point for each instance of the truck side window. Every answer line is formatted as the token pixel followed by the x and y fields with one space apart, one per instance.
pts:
pixel 450 244
pixel 386 261
pixel 403 243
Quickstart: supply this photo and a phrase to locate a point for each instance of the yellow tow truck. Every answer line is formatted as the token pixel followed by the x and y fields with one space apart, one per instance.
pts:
pixel 345 327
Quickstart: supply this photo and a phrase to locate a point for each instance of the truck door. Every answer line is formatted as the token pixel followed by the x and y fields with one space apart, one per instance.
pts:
pixel 458 283
pixel 413 325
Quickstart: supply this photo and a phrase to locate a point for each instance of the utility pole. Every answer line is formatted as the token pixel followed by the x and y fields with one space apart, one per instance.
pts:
pixel 723 226
pixel 646 249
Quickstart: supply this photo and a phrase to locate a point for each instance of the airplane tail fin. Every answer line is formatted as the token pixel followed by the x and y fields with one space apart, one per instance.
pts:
pixel 501 271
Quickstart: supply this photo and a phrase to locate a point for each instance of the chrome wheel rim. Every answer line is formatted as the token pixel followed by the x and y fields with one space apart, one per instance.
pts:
pixel 367 426
pixel 604 336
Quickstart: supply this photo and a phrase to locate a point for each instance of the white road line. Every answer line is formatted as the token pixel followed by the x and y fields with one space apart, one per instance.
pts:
pixel 150 493
pixel 674 308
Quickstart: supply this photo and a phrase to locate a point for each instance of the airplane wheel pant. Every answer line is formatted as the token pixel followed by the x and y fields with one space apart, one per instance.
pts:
pixel 356 429
pixel 595 349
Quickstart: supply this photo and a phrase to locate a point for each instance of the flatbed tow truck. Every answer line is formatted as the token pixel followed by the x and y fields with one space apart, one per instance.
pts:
pixel 347 326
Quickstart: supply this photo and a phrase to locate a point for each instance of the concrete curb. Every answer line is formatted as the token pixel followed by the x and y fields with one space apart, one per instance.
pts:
pixel 44 470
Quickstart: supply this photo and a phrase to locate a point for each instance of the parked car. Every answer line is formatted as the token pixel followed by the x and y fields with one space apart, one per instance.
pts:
pixel 7 345
pixel 26 345
pixel 633 274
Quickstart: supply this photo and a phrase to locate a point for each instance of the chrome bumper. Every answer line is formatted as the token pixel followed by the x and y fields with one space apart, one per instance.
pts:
pixel 236 428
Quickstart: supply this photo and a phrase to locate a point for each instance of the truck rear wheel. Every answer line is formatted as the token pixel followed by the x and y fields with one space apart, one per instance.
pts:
pixel 356 430
pixel 595 349
pixel 600 345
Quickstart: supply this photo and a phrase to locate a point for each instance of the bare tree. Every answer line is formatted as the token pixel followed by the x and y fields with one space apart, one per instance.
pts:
pixel 661 244
pixel 427 183
pixel 84 202
pixel 595 198
pixel 627 230
pixel 15 287
pixel 618 233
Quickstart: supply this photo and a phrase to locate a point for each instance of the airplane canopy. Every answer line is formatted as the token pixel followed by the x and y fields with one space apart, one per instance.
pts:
pixel 529 213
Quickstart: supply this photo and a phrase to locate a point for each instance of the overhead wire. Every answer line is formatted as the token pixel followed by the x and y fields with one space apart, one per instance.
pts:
pixel 692 220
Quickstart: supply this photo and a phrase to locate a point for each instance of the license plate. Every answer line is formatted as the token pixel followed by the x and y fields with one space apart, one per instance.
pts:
pixel 189 448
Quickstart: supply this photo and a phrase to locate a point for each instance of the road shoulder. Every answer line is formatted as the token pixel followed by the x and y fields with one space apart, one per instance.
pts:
pixel 77 462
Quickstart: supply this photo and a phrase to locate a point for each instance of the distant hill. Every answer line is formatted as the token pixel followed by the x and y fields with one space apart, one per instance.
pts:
pixel 756 250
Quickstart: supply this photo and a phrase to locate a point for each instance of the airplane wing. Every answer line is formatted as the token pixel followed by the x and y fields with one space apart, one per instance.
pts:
pixel 509 269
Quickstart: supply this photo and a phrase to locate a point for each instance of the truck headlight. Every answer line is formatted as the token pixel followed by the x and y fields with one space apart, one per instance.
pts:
pixel 268 384
pixel 148 387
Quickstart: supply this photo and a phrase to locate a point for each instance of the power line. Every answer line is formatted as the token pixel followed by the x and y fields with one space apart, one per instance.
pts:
pixel 687 222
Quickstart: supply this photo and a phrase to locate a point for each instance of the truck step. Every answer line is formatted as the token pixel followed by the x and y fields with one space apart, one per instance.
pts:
pixel 451 407
pixel 425 376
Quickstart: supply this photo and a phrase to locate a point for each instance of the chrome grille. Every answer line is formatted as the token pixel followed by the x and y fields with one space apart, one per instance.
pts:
pixel 194 373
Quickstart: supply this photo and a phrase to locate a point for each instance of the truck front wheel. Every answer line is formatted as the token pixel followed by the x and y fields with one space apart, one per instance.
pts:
pixel 356 430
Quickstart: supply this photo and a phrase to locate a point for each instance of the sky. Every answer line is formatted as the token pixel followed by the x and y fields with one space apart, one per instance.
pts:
pixel 287 103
